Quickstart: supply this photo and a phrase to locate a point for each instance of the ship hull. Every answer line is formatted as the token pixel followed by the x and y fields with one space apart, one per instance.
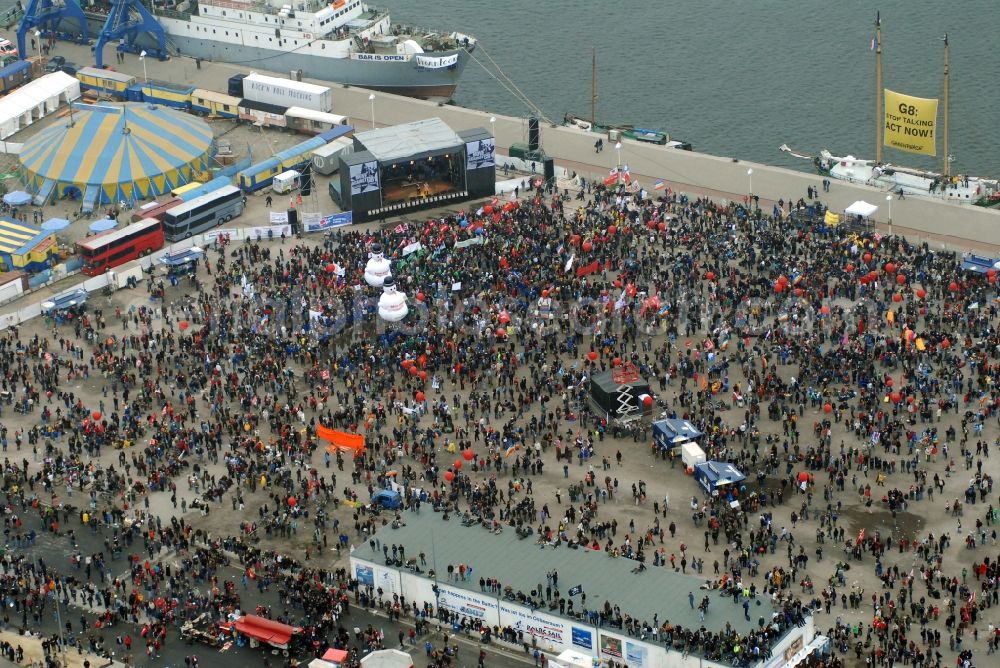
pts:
pixel 401 78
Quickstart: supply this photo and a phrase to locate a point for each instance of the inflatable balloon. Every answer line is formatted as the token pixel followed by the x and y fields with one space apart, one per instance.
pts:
pixel 592 356
pixel 827 408
pixel 900 279
pixel 183 324
pixel 588 246
pixel 420 397
pixel 449 476
pixel 96 415
pixel 392 304
pixel 468 455
pixel 378 267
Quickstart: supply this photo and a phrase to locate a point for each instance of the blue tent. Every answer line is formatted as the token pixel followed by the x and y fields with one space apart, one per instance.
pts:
pixel 670 433
pixel 387 498
pixel 715 477
pixel 978 264
pixel 55 224
pixel 181 258
pixel 66 300
pixel 17 198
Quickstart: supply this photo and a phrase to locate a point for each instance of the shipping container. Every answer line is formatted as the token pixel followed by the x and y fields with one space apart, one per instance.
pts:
pixel 287 93
pixel 326 159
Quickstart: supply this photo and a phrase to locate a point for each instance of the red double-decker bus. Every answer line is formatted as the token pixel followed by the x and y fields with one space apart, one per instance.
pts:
pixel 155 209
pixel 116 247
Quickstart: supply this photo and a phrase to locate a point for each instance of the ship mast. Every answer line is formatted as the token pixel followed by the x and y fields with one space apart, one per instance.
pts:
pixel 947 158
pixel 879 119
pixel 593 87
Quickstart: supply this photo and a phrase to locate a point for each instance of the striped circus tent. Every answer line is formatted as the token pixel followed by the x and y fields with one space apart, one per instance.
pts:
pixel 113 153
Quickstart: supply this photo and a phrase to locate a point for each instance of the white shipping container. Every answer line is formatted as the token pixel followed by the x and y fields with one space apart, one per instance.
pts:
pixel 691 454
pixel 326 159
pixel 287 93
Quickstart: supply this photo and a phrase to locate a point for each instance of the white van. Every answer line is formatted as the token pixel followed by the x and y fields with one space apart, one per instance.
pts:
pixel 286 182
pixel 7 48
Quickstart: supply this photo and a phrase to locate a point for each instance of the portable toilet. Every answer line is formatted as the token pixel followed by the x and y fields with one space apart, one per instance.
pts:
pixel 286 182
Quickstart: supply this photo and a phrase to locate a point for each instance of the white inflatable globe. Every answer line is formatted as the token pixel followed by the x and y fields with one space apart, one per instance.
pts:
pixel 377 269
pixel 392 304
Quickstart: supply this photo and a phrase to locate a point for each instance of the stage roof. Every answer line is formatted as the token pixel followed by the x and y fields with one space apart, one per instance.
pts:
pixel 416 140
pixel 521 563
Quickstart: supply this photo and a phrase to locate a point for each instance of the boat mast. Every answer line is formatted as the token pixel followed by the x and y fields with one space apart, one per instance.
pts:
pixel 593 87
pixel 879 119
pixel 947 158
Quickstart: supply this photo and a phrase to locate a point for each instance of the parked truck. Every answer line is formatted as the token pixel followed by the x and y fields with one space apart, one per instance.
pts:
pixel 287 93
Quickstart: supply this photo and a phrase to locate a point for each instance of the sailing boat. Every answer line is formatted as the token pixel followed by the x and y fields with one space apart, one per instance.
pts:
pixel 962 189
pixel 627 131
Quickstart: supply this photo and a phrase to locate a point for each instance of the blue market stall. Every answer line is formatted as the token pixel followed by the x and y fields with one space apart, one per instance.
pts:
pixel 718 477
pixel 978 264
pixel 670 433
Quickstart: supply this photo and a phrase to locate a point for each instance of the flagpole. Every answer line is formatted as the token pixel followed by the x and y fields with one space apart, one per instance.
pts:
pixel 947 158
pixel 879 120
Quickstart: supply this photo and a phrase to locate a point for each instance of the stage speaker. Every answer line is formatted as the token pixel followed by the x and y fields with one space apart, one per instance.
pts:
pixel 549 167
pixel 293 220
pixel 533 133
pixel 306 182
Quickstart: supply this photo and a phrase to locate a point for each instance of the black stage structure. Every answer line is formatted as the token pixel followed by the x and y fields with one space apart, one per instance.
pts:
pixel 419 165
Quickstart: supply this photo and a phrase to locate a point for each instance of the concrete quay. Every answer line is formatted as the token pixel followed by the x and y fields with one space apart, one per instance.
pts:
pixel 920 219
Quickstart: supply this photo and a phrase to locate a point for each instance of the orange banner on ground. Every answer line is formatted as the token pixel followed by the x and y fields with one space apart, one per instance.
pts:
pixel 341 439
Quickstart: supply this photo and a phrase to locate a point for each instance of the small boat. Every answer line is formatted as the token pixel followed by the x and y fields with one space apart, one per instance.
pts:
pixel 626 131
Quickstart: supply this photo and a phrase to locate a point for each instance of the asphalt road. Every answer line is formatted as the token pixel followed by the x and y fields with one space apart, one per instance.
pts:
pixel 56 552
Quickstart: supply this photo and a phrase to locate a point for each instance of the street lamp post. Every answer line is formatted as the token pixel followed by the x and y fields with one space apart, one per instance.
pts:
pixel 371 98
pixel 493 126
pixel 618 152
pixel 142 58
pixel 750 182
pixel 38 42
pixel 888 199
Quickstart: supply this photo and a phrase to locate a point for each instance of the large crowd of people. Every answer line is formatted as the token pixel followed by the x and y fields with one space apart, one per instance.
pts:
pixel 851 376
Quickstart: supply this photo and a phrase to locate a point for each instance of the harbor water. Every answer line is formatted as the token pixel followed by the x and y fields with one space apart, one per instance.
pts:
pixel 737 78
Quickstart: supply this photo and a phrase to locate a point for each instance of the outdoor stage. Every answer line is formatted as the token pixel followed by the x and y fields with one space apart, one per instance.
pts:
pixel 414 166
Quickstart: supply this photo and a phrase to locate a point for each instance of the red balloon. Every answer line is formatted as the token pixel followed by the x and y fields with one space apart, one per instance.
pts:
pixel 888 382
pixel 867 258
pixel 574 240
pixel 992 279
pixel 449 476
pixel 616 361
pixel 872 275
pixel 890 268
pixel 413 370
pixel 662 227
pixel 468 455
pixel 422 375
pixel 612 230
pixel 647 401
pixel 824 309
pixel 921 293
pixel 292 501
pixel 587 246
pixel 420 396
pixel 827 408
pixel 909 399
pixel 420 296
pixel 96 415
pixel 779 287
pixel 783 279
pixel 457 465
pixel 901 279
pixel 895 396
pixel 504 317
pixel 592 356
pixel 897 298
pixel 953 286
pixel 501 333
pixel 798 292
pixel 850 268
pixel 183 324
pixel 618 283
pixel 651 224
pixel 710 276
pixel 330 268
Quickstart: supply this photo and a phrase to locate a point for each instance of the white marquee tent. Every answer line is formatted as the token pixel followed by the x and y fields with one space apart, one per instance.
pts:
pixel 861 208
pixel 35 100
